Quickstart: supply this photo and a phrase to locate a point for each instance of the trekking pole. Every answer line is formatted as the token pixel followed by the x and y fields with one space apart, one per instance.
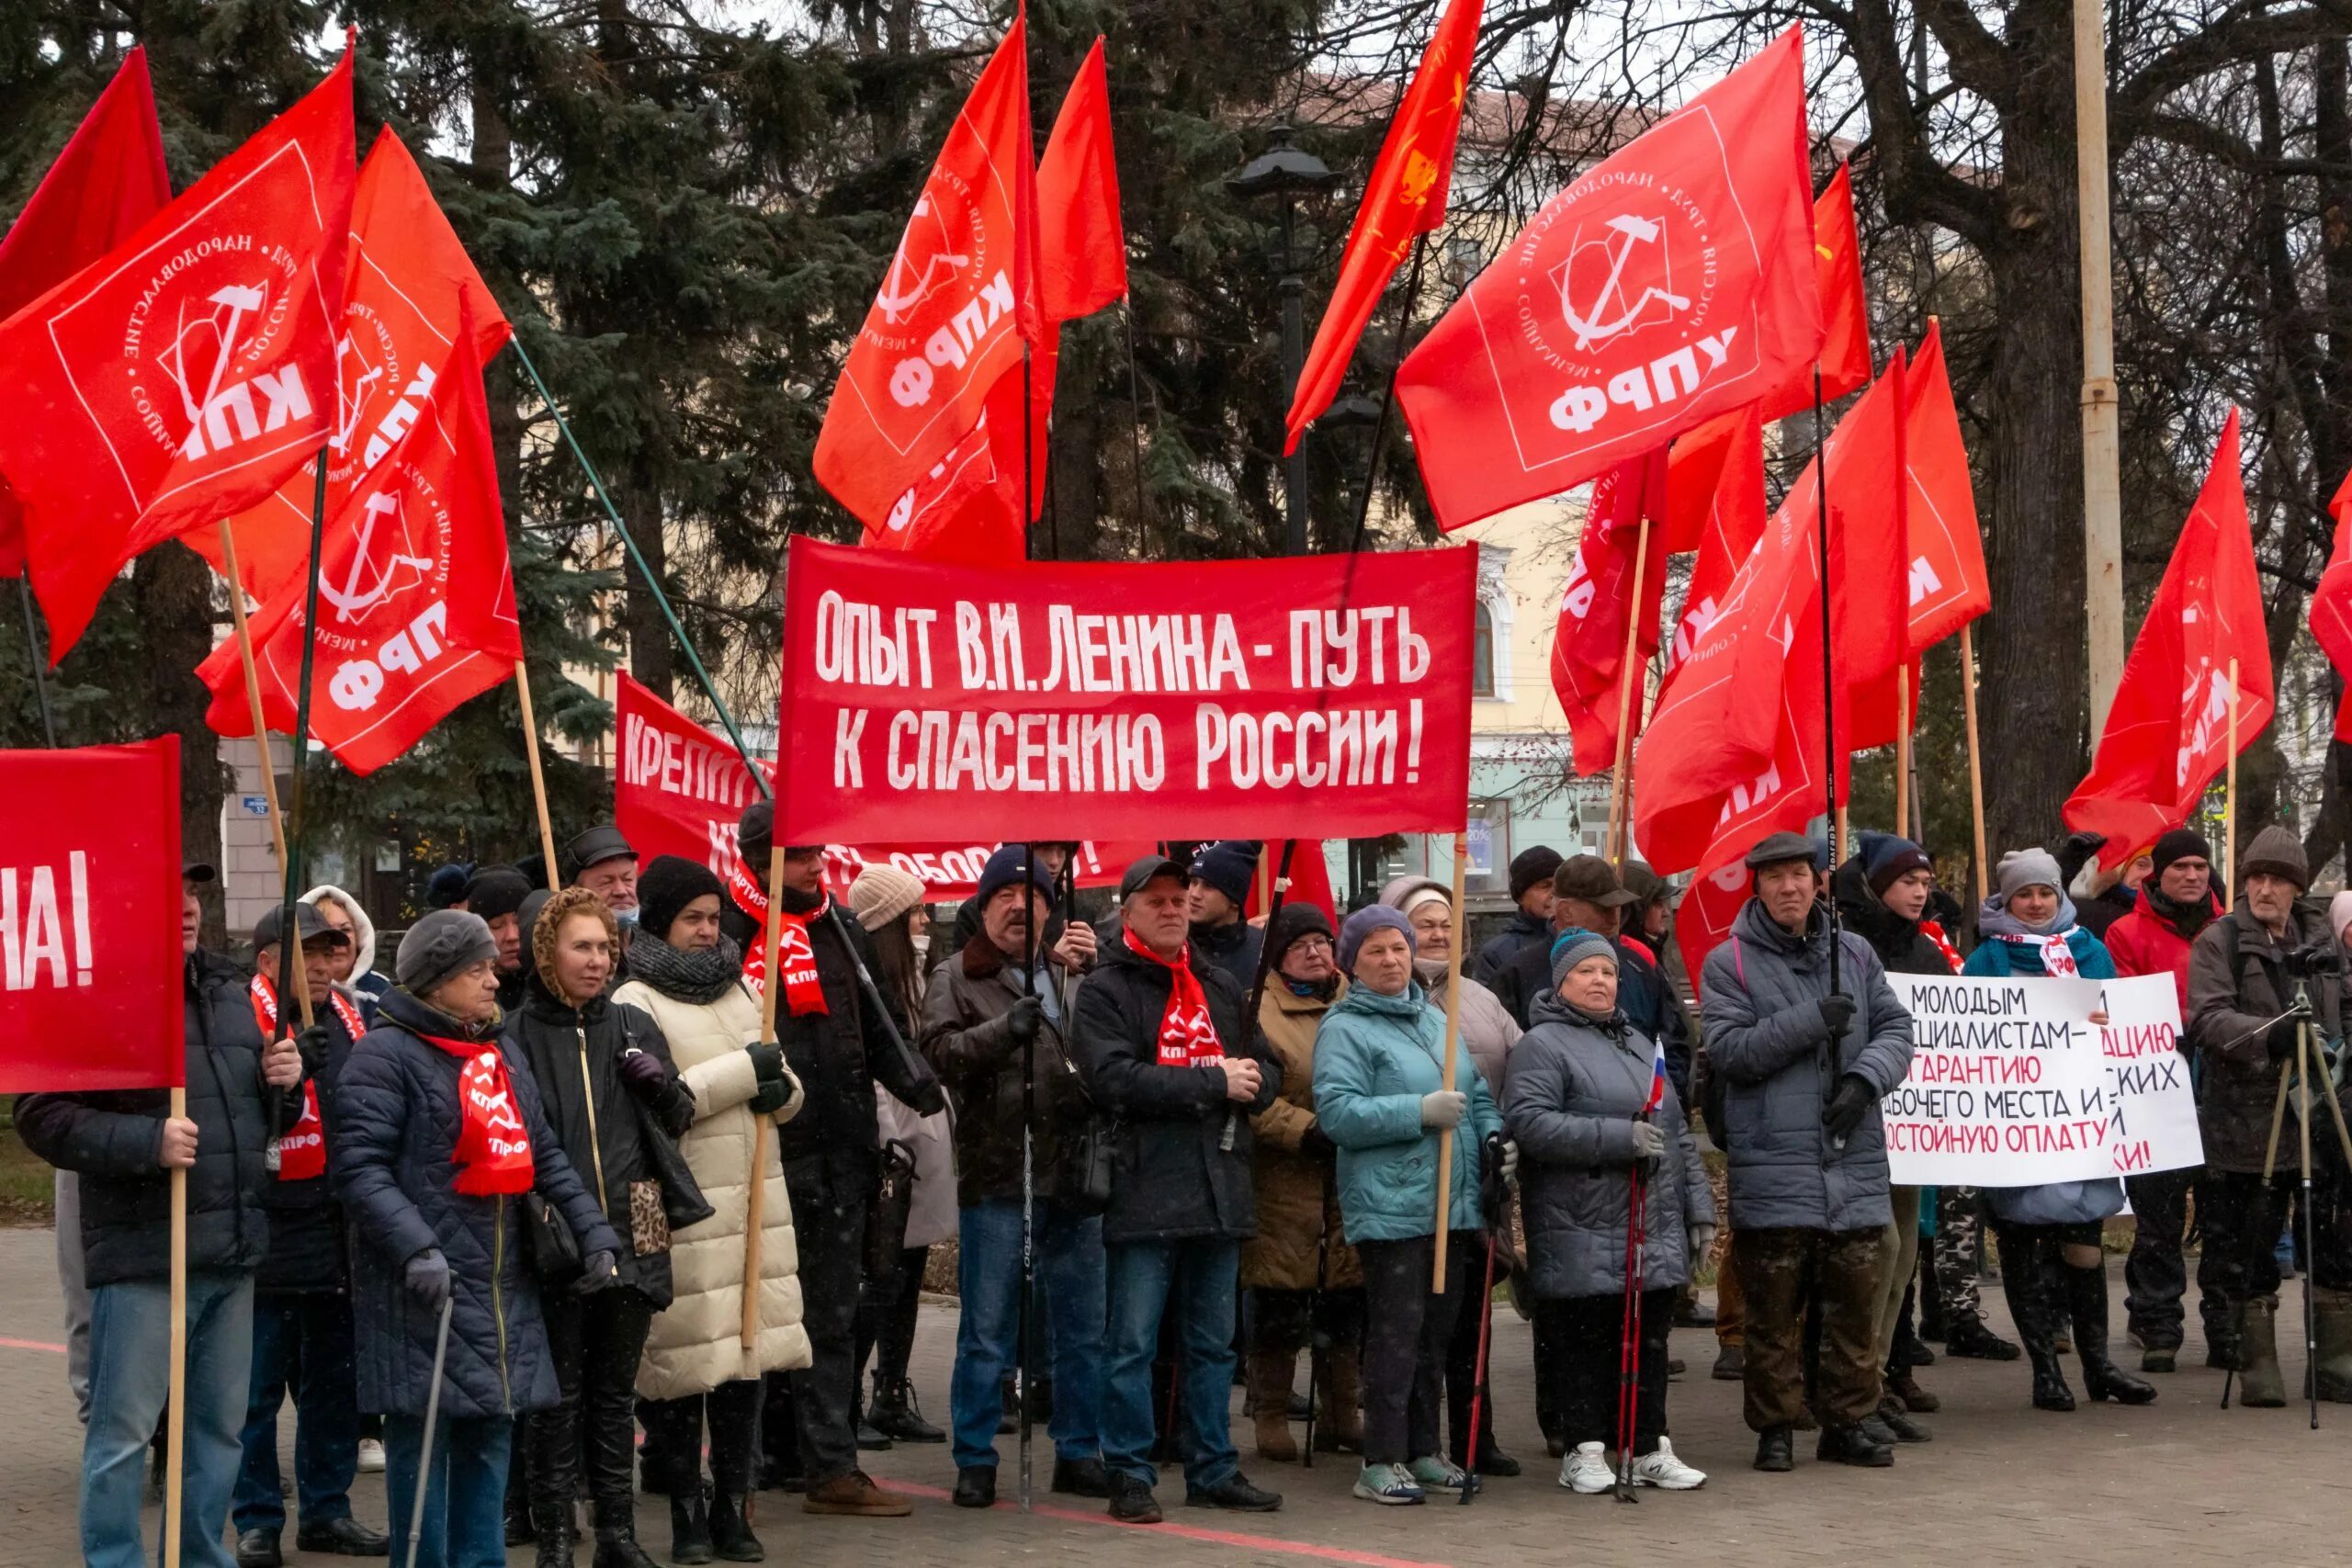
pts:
pixel 432 1416
pixel 1319 1341
pixel 1028 1167
pixel 1478 1369
pixel 1629 1345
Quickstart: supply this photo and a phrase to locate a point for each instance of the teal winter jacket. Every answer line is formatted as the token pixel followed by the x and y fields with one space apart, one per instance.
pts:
pixel 1376 1056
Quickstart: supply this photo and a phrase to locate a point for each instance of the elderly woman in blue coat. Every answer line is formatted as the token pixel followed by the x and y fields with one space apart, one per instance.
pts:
pixel 1577 1104
pixel 1380 1096
pixel 2052 1267
pixel 440 1137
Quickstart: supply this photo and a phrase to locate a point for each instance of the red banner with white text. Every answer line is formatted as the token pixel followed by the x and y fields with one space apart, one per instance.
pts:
pixel 1323 696
pixel 90 918
pixel 679 790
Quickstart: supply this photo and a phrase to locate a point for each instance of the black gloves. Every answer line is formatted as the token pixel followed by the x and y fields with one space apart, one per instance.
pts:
pixel 1836 1012
pixel 600 1271
pixel 1316 1144
pixel 1023 1021
pixel 2280 1039
pixel 311 1044
pixel 767 1062
pixel 427 1277
pixel 772 1098
pixel 643 1075
pixel 1848 1107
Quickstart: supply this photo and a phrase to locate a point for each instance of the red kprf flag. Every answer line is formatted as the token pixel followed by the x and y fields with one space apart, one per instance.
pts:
pixel 2332 606
pixel 1598 602
pixel 108 180
pixel 1845 358
pixel 1403 198
pixel 958 303
pixel 416 602
pixel 2168 732
pixel 90 963
pixel 184 375
pixel 406 283
pixel 1732 469
pixel 1948 584
pixel 1673 282
pixel 967 506
pixel 1081 248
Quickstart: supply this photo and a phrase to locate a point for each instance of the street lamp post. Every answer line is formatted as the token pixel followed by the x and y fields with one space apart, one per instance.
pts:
pixel 1287 172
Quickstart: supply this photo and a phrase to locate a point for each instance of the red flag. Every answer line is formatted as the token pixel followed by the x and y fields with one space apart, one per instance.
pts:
pixel 958 303
pixel 1845 357
pixel 2167 731
pixel 108 180
pixel 1081 247
pixel 1948 584
pixel 90 964
pixel 1310 879
pixel 1588 647
pixel 417 603
pixel 1671 283
pixel 1702 919
pixel 968 508
pixel 1734 521
pixel 1693 471
pixel 1405 196
pixel 183 375
pixel 407 282
pixel 2331 605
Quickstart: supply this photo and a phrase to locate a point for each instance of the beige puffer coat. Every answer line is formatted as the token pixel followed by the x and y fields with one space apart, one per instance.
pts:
pixel 697 1344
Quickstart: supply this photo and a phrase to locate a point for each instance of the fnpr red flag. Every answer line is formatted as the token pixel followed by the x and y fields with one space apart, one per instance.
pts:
pixel 184 375
pixel 1403 198
pixel 2167 731
pixel 1733 472
pixel 406 283
pixel 1081 246
pixel 1845 358
pixel 416 608
pixel 1673 282
pixel 959 301
pixel 1598 602
pixel 2332 607
pixel 90 964
pixel 1948 583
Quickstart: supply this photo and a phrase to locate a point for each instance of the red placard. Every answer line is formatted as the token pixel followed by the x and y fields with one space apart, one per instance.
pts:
pixel 1320 696
pixel 90 918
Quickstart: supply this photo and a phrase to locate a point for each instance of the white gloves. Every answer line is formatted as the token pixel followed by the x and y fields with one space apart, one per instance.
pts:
pixel 1648 1141
pixel 1510 1162
pixel 1702 1244
pixel 1444 1109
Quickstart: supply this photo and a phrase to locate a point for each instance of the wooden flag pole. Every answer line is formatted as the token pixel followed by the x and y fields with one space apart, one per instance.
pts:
pixel 1452 1056
pixel 1628 674
pixel 175 1400
pixel 261 746
pixel 2230 805
pixel 1903 748
pixel 1976 757
pixel 771 940
pixel 538 777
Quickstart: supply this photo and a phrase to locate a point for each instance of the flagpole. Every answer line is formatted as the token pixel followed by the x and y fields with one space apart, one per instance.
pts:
pixel 39 658
pixel 260 742
pixel 1135 404
pixel 175 1395
pixel 538 777
pixel 289 942
pixel 1903 747
pixel 1975 756
pixel 1027 1328
pixel 1388 397
pixel 2230 805
pixel 1829 657
pixel 772 979
pixel 1620 792
pixel 1452 1057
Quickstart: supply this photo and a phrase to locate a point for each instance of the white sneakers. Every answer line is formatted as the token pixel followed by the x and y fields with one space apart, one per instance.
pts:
pixel 371 1456
pixel 1391 1484
pixel 1586 1470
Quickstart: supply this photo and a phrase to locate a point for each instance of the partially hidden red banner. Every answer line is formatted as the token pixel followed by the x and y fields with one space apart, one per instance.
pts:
pixel 90 955
pixel 1314 696
pixel 679 790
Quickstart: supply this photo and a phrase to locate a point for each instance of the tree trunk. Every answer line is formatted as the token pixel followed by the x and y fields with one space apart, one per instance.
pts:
pixel 173 589
pixel 650 659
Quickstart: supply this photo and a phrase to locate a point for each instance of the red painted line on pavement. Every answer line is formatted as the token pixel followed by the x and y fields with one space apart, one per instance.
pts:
pixel 31 1345
pixel 1196 1532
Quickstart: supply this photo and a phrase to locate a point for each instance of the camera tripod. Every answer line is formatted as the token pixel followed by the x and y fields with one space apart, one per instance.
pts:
pixel 2296 1073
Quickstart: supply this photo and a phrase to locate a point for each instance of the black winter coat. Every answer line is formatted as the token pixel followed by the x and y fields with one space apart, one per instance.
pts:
pixel 111 1139
pixel 1902 947
pixel 1175 1177
pixel 1498 952
pixel 392 1161
pixel 307 1250
pixel 567 1047
pixel 966 1038
pixel 1233 948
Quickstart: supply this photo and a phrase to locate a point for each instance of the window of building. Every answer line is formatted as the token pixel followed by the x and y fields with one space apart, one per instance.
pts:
pixel 1482 653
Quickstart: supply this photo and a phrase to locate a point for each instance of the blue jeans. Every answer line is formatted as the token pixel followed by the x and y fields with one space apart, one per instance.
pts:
pixel 464 1496
pixel 130 1356
pixel 988 1336
pixel 1196 1281
pixel 302 1342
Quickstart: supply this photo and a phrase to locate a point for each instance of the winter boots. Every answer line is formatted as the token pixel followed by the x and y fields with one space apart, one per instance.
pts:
pixel 689 1528
pixel 617 1547
pixel 731 1530
pixel 2332 1316
pixel 2261 1385
pixel 2021 1282
pixel 551 1534
pixel 2102 1379
pixel 896 1415
pixel 1269 1375
pixel 1338 1398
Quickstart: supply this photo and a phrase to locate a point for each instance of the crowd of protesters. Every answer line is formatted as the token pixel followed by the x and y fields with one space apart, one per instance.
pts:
pixel 553 1180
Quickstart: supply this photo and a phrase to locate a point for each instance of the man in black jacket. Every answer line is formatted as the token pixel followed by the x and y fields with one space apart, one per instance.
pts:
pixel 302 1329
pixel 839 1049
pixel 1587 894
pixel 1159 1041
pixel 1217 895
pixel 124 1144
pixel 1531 926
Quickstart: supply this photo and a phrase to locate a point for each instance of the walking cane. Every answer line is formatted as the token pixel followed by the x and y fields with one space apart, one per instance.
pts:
pixel 1629 1345
pixel 431 1417
pixel 1317 1339
pixel 1478 1366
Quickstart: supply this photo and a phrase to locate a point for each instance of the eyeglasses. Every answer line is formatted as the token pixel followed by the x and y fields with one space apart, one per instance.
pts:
pixel 1316 941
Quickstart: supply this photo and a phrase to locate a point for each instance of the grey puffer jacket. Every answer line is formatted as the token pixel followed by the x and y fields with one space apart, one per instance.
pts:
pixel 1760 1003
pixel 1573 1088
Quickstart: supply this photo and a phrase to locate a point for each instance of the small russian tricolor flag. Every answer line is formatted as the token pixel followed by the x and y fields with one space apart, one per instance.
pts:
pixel 1658 1078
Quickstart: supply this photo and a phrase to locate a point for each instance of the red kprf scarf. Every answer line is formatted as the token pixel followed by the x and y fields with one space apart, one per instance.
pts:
pixel 493 1152
pixel 796 955
pixel 302 1152
pixel 1187 1034
pixel 1934 932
